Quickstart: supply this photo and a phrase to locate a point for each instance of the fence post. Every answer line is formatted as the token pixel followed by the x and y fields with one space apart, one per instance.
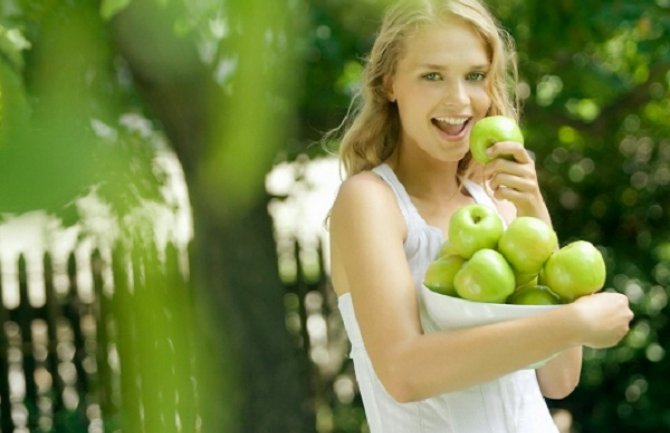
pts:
pixel 6 423
pixel 53 313
pixel 147 318
pixel 72 311
pixel 24 318
pixel 103 314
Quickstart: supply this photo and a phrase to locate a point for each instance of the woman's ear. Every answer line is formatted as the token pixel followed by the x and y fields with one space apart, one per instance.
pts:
pixel 388 88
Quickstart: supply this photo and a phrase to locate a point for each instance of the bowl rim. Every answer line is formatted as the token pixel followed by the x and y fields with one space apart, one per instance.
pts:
pixel 508 311
pixel 490 305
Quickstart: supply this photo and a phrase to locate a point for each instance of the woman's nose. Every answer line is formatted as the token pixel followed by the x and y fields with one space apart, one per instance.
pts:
pixel 455 93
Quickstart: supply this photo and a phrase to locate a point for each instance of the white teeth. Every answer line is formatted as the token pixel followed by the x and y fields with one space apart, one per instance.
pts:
pixel 451 120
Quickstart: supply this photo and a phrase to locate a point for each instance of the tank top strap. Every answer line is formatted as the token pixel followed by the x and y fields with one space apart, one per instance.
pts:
pixel 409 211
pixel 407 208
pixel 478 193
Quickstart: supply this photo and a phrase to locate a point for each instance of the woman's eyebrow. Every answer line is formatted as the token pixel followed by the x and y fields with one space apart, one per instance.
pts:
pixel 438 67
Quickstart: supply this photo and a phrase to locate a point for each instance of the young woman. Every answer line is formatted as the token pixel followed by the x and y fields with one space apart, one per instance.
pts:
pixel 436 67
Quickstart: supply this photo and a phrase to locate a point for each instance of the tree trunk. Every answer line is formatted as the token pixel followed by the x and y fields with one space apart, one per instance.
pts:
pixel 255 380
pixel 235 270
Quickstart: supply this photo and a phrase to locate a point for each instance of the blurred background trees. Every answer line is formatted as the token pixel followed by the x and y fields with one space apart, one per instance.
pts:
pixel 93 90
pixel 234 88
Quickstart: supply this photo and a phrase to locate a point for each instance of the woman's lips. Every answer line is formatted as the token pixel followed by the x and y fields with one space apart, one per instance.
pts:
pixel 453 128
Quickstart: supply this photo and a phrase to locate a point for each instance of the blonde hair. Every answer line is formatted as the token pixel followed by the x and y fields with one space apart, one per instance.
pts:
pixel 370 131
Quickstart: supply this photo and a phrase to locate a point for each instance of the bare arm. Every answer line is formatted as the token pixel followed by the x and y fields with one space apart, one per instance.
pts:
pixel 600 311
pixel 367 234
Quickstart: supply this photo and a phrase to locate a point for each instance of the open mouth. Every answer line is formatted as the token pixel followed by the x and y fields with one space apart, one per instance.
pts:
pixel 451 126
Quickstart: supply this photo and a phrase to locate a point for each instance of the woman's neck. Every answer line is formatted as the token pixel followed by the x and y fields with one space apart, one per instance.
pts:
pixel 434 181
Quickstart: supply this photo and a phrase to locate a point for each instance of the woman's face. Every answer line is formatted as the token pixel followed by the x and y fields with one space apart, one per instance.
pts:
pixel 440 88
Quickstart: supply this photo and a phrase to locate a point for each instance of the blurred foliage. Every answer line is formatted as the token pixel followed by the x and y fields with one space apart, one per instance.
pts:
pixel 68 122
pixel 594 81
pixel 92 91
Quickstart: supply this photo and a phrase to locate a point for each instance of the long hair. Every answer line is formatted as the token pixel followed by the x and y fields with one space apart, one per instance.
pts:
pixel 370 131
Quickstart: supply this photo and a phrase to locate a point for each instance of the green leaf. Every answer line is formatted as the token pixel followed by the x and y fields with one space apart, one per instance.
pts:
pixel 109 8
pixel 12 44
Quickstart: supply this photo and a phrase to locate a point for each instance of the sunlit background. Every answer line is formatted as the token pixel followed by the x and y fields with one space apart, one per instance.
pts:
pixel 164 198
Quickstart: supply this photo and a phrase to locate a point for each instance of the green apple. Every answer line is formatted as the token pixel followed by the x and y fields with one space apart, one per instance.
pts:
pixel 474 227
pixel 439 276
pixel 534 295
pixel 524 280
pixel 527 244
pixel 575 270
pixel 486 277
pixel 447 249
pixel 541 278
pixel 490 130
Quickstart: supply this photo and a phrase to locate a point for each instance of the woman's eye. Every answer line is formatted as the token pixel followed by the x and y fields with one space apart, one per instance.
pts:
pixel 476 76
pixel 432 76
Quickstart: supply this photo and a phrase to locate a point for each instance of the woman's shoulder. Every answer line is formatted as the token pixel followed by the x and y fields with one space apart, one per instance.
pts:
pixel 365 184
pixel 365 196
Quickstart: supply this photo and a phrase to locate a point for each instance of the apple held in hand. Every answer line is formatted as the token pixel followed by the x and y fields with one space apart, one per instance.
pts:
pixel 473 228
pixel 490 130
pixel 486 277
pixel 534 295
pixel 575 270
pixel 440 274
pixel 527 244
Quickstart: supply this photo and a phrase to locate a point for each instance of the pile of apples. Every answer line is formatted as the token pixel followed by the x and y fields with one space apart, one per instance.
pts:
pixel 523 264
pixel 484 262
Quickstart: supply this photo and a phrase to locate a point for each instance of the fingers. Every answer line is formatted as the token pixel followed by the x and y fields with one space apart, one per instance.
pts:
pixel 512 161
pixel 509 194
pixel 621 323
pixel 514 180
pixel 507 149
pixel 607 318
pixel 521 182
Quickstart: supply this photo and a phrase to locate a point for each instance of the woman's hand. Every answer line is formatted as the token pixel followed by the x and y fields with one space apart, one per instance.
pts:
pixel 603 319
pixel 512 177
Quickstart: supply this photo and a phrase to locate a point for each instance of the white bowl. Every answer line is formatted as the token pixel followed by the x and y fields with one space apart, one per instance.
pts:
pixel 448 312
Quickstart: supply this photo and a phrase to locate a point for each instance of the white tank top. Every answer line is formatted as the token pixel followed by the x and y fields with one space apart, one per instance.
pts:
pixel 509 404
